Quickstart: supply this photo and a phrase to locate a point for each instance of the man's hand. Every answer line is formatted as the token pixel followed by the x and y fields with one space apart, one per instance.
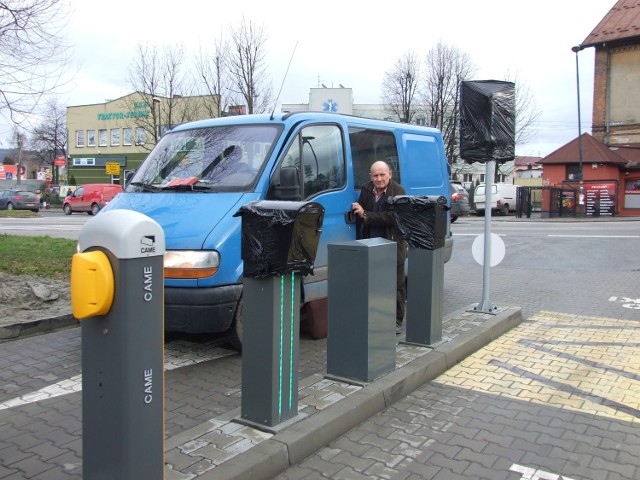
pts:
pixel 358 210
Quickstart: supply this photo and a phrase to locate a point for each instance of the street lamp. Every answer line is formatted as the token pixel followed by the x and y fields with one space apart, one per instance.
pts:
pixel 575 50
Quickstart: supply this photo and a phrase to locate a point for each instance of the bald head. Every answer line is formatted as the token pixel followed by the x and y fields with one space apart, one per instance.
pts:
pixel 380 164
pixel 380 175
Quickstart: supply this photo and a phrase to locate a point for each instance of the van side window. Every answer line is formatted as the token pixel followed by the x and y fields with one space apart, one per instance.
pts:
pixel 368 146
pixel 318 154
pixel 427 172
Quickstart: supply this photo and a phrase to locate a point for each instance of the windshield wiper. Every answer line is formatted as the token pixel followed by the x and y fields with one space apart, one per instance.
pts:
pixel 145 186
pixel 188 187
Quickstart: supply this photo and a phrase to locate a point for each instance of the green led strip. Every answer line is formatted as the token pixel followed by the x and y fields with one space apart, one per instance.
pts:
pixel 291 328
pixel 281 341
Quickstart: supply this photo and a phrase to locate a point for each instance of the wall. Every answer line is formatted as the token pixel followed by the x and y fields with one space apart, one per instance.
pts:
pixel 555 174
pixel 615 80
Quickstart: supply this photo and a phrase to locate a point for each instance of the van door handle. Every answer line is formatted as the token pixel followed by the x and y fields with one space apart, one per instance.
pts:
pixel 350 217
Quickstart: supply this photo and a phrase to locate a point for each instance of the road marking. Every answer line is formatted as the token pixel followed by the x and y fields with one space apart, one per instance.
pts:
pixel 44 228
pixel 595 236
pixel 176 356
pixel 533 474
pixel 633 303
pixel 475 234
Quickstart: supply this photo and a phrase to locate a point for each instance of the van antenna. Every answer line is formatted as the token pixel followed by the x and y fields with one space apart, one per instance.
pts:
pixel 283 79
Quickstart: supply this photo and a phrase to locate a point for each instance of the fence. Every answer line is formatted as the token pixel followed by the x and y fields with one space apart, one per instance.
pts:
pixel 547 202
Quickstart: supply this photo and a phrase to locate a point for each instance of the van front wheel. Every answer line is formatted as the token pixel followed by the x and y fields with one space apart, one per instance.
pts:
pixel 235 331
pixel 505 209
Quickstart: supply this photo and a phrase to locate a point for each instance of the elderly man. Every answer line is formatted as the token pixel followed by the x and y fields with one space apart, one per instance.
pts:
pixel 374 219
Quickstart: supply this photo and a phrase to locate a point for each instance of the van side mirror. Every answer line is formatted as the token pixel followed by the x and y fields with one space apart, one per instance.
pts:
pixel 128 175
pixel 285 184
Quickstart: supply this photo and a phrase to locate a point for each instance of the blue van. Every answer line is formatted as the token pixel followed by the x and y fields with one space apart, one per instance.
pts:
pixel 201 173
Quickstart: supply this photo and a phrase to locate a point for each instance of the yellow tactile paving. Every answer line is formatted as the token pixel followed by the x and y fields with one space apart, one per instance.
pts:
pixel 586 364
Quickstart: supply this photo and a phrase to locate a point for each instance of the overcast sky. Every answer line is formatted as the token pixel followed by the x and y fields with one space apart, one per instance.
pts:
pixel 353 43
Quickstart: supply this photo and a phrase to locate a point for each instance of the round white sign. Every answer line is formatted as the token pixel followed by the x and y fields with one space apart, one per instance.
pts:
pixel 497 250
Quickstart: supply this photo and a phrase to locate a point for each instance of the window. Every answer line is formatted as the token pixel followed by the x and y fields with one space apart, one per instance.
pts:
pixel 318 153
pixel 103 137
pixel 632 193
pixel 369 146
pixel 79 138
pixel 141 136
pixel 91 138
pixel 127 140
pixel 429 170
pixel 573 171
pixel 115 137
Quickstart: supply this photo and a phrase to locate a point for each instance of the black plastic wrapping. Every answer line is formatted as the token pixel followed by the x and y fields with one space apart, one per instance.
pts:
pixel 279 237
pixel 487 121
pixel 422 221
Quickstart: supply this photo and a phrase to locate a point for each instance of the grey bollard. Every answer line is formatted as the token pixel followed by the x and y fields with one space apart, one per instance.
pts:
pixel 279 245
pixel 117 290
pixel 422 221
pixel 361 341
pixel 425 291
pixel 271 337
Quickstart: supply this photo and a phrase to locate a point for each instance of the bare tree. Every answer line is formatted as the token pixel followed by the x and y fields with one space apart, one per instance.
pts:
pixel 212 71
pixel 33 54
pixel 248 67
pixel 400 86
pixel 49 137
pixel 446 68
pixel 526 109
pixel 161 81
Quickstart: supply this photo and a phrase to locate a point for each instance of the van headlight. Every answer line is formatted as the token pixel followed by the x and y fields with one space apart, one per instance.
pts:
pixel 190 263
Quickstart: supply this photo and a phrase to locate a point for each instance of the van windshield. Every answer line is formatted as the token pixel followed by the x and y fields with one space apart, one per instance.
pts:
pixel 213 159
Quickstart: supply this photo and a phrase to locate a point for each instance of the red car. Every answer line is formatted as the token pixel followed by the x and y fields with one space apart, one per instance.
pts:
pixel 90 198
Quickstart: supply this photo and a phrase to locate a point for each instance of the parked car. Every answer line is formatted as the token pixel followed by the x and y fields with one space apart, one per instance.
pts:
pixel 90 198
pixel 19 200
pixel 503 198
pixel 459 201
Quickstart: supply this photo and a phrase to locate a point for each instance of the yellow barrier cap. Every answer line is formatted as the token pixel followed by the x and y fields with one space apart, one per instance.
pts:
pixel 92 284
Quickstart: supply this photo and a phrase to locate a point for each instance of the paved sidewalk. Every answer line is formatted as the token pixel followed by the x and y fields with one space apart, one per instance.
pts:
pixel 222 448
pixel 555 398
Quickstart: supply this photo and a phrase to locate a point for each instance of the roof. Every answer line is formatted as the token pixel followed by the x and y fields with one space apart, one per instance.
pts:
pixel 630 152
pixel 593 151
pixel 622 22
pixel 522 161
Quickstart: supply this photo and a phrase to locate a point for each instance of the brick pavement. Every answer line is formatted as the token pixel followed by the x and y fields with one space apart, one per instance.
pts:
pixel 222 448
pixel 557 397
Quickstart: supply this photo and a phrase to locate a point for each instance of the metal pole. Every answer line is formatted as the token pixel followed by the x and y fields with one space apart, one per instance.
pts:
pixel 580 202
pixel 485 305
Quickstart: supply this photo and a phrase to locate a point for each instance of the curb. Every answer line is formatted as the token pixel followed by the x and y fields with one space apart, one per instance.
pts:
pixel 35 327
pixel 297 441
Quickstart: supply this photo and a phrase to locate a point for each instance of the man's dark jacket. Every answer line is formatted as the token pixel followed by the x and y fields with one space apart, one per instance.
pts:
pixel 384 218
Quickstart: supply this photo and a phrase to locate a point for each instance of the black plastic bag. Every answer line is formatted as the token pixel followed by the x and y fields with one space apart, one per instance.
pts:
pixel 421 221
pixel 279 237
